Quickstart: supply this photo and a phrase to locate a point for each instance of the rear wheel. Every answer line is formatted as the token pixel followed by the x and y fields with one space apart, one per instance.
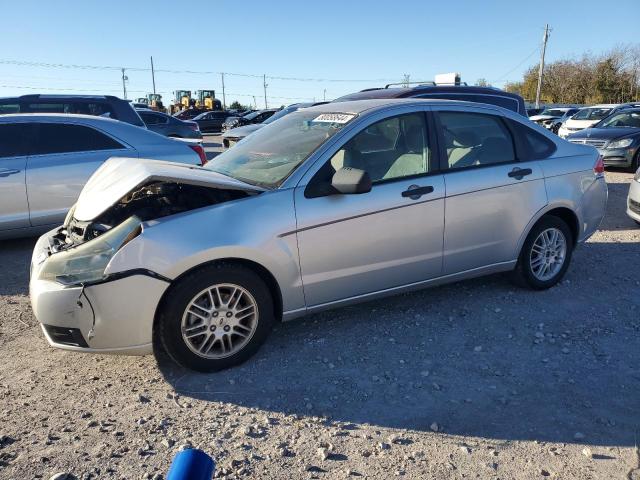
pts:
pixel 635 164
pixel 216 317
pixel 545 255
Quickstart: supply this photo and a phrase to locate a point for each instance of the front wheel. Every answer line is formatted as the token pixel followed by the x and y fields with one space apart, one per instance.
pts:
pixel 216 317
pixel 545 255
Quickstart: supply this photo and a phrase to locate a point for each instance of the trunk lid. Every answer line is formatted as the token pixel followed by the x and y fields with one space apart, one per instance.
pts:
pixel 118 176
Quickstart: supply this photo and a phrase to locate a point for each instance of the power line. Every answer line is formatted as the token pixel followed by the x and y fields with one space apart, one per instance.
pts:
pixel 191 72
pixel 516 67
pixel 85 90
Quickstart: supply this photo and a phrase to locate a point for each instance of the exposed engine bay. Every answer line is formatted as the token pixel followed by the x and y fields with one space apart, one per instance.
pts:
pixel 148 202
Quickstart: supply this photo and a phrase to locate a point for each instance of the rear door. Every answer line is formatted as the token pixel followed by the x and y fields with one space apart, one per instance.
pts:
pixel 492 191
pixel 64 156
pixel 14 208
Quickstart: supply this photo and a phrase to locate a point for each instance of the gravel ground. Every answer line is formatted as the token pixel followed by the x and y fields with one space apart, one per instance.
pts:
pixel 473 380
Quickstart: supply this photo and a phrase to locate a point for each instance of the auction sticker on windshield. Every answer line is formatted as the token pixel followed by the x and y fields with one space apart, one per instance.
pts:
pixel 334 117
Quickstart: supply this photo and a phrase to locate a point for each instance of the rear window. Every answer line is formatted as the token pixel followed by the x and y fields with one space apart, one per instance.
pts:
pixel 536 145
pixel 67 138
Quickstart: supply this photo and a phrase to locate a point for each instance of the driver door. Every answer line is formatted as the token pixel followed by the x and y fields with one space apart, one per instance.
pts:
pixel 357 244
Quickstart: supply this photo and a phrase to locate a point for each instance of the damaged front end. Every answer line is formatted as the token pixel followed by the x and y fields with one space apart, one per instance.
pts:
pixel 81 250
pixel 148 202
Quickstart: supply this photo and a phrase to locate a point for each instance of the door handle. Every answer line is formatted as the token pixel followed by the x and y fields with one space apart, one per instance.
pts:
pixel 414 192
pixel 5 172
pixel 520 173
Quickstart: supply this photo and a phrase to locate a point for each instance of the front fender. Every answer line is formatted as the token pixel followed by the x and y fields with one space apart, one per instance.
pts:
pixel 258 229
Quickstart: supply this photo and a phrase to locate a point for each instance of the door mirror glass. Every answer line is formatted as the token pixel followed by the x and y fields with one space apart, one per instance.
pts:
pixel 351 180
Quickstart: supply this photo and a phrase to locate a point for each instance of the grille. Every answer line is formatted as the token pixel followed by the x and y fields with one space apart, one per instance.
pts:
pixel 589 141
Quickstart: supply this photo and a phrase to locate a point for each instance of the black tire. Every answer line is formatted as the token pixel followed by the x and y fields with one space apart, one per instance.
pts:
pixel 635 164
pixel 523 275
pixel 169 330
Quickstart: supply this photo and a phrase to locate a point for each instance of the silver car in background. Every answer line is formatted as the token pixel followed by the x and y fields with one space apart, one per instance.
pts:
pixel 45 160
pixel 328 206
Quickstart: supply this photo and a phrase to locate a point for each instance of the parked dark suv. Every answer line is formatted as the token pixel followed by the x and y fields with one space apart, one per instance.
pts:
pixel 99 105
pixel 491 95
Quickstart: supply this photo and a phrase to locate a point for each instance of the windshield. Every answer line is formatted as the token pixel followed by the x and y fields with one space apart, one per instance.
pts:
pixel 279 114
pixel 268 156
pixel 553 112
pixel 201 116
pixel 591 114
pixel 252 115
pixel 626 119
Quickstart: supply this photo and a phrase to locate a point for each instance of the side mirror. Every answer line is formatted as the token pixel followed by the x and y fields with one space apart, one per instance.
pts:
pixel 351 180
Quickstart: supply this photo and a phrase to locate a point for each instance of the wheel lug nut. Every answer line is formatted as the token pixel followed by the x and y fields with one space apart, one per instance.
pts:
pixel 215 314
pixel 227 328
pixel 212 328
pixel 229 314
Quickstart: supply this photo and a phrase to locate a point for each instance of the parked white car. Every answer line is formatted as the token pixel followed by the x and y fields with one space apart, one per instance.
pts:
pixel 585 118
pixel 633 199
pixel 45 160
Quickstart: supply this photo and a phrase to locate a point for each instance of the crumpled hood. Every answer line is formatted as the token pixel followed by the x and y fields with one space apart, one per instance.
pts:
pixel 118 176
pixel 241 132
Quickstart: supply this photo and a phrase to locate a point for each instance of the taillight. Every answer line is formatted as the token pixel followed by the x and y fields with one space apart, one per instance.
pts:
pixel 598 168
pixel 194 126
pixel 200 151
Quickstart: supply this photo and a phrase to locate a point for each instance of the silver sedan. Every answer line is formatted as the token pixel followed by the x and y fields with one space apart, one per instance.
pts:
pixel 45 160
pixel 328 206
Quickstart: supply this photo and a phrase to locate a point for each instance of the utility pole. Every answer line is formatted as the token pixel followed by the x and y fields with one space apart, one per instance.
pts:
pixel 153 76
pixel 124 85
pixel 545 37
pixel 255 104
pixel 405 80
pixel 264 83
pixel 224 98
pixel 324 95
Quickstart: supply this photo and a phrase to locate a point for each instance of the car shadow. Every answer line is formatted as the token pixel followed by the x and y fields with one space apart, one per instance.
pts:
pixel 616 218
pixel 15 258
pixel 479 358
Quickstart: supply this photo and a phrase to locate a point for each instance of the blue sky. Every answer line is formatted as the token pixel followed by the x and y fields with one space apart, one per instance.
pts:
pixel 371 41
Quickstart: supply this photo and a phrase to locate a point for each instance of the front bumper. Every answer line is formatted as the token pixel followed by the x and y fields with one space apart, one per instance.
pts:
pixel 633 201
pixel 617 157
pixel 111 317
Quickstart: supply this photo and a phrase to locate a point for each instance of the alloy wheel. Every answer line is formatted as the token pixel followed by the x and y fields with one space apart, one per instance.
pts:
pixel 548 254
pixel 219 321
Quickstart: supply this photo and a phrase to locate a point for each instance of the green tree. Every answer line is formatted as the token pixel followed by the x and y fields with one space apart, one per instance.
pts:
pixel 236 105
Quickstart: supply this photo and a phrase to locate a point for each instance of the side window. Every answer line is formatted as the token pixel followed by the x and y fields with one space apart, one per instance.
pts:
pixel 148 118
pixel 9 108
pixel 473 139
pixel 152 118
pixel 12 140
pixel 392 148
pixel 536 145
pixel 65 138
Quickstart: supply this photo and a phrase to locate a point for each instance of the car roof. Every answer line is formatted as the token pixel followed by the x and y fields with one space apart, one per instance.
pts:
pixel 397 92
pixel 32 117
pixel 360 106
pixel 601 105
pixel 38 96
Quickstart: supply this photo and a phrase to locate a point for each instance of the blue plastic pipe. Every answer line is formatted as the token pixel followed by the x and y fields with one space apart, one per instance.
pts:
pixel 191 464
